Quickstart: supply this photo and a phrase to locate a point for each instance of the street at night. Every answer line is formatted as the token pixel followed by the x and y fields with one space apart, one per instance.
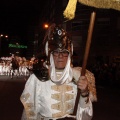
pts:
pixel 79 33
pixel 106 108
pixel 10 91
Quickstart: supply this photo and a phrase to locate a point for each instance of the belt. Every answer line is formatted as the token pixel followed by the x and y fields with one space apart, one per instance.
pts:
pixel 48 119
pixel 66 118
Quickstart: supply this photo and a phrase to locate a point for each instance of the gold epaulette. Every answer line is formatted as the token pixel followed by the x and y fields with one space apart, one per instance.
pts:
pixel 91 85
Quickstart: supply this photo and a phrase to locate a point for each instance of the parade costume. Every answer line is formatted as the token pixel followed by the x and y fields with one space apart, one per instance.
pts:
pixel 55 98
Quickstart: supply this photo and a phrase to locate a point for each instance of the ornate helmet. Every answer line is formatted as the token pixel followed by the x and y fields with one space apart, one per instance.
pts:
pixel 57 38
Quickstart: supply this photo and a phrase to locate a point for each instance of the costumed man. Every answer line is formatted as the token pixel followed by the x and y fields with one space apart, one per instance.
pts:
pixel 54 98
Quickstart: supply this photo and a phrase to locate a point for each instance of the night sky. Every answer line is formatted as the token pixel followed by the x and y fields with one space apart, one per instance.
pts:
pixel 16 15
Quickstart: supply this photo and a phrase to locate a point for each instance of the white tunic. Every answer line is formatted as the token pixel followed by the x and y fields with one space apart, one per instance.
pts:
pixel 48 100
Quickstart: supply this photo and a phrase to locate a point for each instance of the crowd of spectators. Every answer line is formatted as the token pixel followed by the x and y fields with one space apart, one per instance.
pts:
pixel 106 74
pixel 15 66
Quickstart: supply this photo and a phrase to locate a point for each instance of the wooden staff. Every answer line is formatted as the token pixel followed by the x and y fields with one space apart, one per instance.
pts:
pixel 88 43
pixel 87 49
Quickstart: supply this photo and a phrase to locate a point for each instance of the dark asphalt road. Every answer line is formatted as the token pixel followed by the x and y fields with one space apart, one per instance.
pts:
pixel 10 91
pixel 106 108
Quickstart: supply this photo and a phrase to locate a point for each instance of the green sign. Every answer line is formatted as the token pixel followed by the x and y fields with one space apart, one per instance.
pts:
pixel 17 46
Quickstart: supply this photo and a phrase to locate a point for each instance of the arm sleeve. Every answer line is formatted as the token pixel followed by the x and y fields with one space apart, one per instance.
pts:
pixel 91 82
pixel 28 98
pixel 85 110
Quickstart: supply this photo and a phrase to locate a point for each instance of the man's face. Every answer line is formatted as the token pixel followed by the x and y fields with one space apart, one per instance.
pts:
pixel 60 58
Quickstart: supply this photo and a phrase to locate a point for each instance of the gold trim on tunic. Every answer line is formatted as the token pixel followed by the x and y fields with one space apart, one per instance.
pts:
pixel 62 97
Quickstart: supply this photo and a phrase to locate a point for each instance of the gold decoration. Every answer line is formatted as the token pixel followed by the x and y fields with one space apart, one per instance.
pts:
pixel 62 108
pixel 30 114
pixel 28 106
pixel 91 86
pixel 56 96
pixel 61 87
pixel 69 12
pixel 107 4
pixel 24 97
pixel 68 96
pixel 63 105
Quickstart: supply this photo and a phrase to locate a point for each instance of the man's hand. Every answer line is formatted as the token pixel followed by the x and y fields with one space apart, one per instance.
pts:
pixel 83 85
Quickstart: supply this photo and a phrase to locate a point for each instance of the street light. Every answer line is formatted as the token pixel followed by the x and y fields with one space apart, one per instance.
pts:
pixel 0 43
pixel 46 25
pixel 6 36
pixel 2 36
